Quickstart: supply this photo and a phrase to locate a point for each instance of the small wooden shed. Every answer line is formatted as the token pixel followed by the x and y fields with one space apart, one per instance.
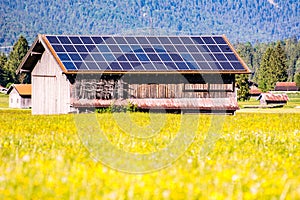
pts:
pixel 19 96
pixel 74 72
pixel 275 99
pixel 286 86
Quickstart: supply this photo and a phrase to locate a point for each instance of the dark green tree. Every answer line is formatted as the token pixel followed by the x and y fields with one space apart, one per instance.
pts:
pixel 15 57
pixel 279 64
pixel 3 61
pixel 297 79
pixel 264 71
pixel 243 87
pixel 273 68
pixel 246 53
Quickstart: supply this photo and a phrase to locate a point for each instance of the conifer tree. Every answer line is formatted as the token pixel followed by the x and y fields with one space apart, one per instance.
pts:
pixel 243 87
pixel 279 64
pixel 264 71
pixel 20 49
pixel 3 61
pixel 297 79
pixel 243 92
pixel 273 68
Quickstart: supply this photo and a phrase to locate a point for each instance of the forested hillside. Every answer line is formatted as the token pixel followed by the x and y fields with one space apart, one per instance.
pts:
pixel 240 20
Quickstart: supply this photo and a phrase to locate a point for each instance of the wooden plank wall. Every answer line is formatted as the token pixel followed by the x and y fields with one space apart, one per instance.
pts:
pixel 114 87
pixel 50 87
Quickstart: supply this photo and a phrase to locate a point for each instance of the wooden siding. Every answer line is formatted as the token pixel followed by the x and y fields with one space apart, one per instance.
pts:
pixel 151 86
pixel 50 87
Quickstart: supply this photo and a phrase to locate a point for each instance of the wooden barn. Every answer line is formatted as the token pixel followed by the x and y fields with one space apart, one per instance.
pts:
pixel 19 96
pixel 187 73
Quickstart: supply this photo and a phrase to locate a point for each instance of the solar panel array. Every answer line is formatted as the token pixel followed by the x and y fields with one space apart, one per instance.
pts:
pixel 138 53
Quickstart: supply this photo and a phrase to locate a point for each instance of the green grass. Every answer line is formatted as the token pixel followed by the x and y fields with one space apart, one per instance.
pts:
pixel 3 100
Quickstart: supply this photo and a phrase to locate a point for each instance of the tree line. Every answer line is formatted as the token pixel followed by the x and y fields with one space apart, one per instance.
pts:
pixel 269 63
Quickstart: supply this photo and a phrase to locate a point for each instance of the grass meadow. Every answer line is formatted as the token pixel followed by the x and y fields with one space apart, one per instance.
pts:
pixel 255 156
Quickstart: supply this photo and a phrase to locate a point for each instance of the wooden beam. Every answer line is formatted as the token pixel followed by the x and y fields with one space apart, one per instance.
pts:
pixel 35 53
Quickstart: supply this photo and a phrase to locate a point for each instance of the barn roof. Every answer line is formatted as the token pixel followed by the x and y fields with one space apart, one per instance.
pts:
pixel 22 89
pixel 137 54
pixel 254 90
pixel 286 86
pixel 273 97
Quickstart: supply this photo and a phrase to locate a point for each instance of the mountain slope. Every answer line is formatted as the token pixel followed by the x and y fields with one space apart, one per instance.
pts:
pixel 240 20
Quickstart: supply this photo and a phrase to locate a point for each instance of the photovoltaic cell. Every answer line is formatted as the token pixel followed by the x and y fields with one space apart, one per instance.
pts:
pixel 153 40
pixel 69 66
pixel 97 40
pixel 192 48
pixel 92 48
pixel 75 40
pixel 121 58
pixel 181 48
pixel 197 40
pixel 120 40
pixel 125 48
pixel 131 57
pixel 115 66
pixel 204 65
pixel 64 40
pixel 58 48
pixel 87 40
pixel 103 65
pixel 165 57
pixel 69 48
pixel 81 66
pixel 131 40
pixel 75 57
pixel 153 57
pixel 170 66
pixel 64 57
pixel 219 40
pixel 142 40
pixel 103 48
pixel 208 40
pixel 225 48
pixel 86 57
pixel 126 66
pixel 231 57
pixel 53 39
pixel 98 57
pixel 145 53
pixel 237 65
pixel 182 65
pixel 81 48
pixel 92 65
pixel 142 57
pixel 209 57
pixel 186 40
pixel 175 40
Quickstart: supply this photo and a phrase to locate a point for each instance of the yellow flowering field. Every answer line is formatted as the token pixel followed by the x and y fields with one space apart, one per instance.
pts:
pixel 252 156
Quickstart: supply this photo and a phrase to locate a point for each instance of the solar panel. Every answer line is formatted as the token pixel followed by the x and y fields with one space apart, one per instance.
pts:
pixel 145 53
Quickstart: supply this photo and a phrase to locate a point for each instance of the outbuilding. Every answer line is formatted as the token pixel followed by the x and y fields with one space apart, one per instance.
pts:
pixel 286 86
pixel 70 73
pixel 19 96
pixel 272 99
